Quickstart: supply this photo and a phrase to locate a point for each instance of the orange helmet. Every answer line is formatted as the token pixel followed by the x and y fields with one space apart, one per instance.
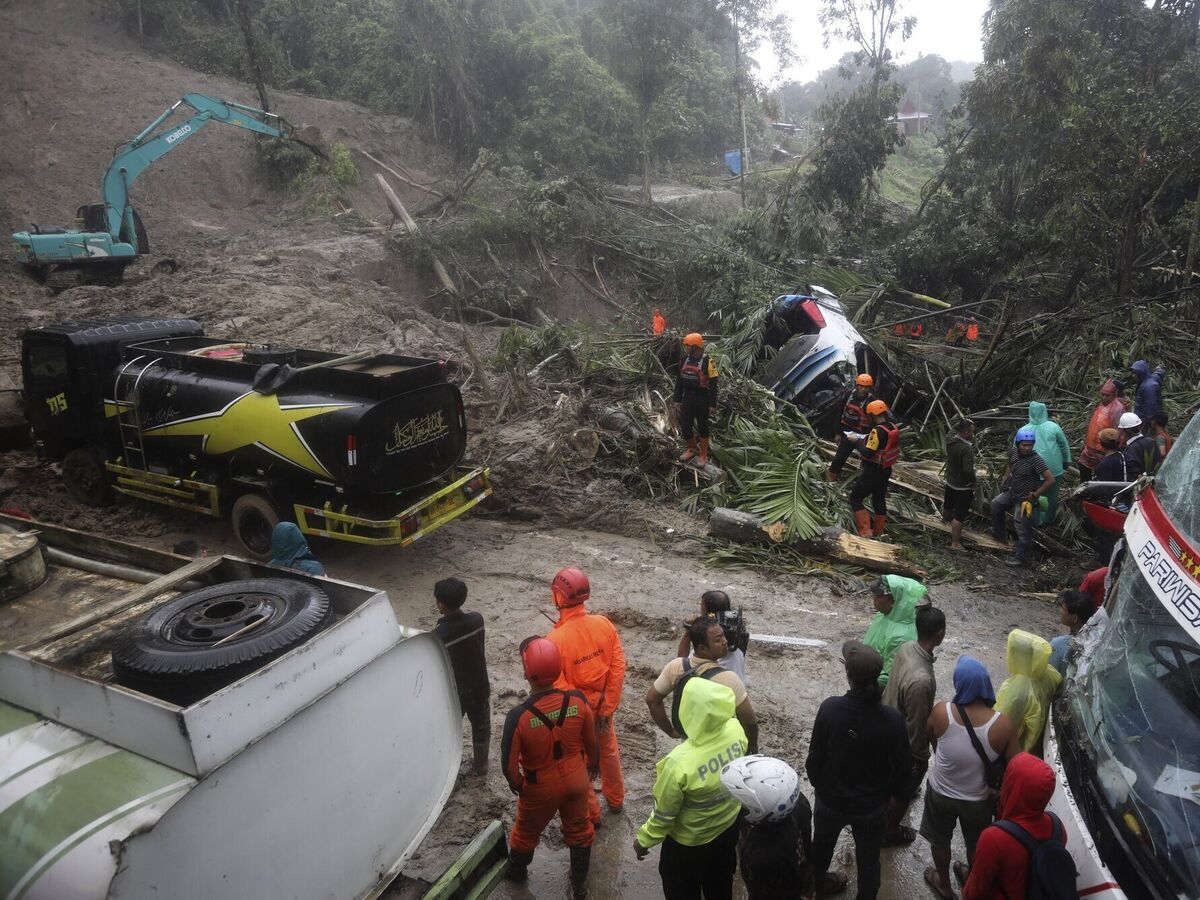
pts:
pixel 876 408
pixel 570 588
pixel 541 660
pixel 695 339
pixel 864 380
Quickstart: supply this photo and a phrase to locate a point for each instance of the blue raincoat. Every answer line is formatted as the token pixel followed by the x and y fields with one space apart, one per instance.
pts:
pixel 290 550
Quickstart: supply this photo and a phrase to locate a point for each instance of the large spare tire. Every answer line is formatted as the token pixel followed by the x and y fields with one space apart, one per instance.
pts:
pixel 201 641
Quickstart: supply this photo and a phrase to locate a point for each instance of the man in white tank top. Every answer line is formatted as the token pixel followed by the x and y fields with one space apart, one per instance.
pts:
pixel 957 792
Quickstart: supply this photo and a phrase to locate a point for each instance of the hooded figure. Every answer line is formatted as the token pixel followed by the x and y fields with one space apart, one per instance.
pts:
pixel 1001 866
pixel 1026 694
pixel 290 550
pixel 889 630
pixel 694 817
pixel 1106 415
pixel 1051 445
pixel 1148 396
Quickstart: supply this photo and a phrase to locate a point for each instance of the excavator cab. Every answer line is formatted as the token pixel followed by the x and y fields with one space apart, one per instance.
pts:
pixel 90 217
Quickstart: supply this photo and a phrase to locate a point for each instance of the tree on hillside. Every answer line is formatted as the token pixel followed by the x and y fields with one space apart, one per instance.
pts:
pixel 870 25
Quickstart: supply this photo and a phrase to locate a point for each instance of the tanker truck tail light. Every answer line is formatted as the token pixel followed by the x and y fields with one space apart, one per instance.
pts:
pixel 474 486
pixel 351 450
pixel 409 525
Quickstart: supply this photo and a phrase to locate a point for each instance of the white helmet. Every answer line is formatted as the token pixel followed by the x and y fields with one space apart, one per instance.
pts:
pixel 767 788
pixel 1130 420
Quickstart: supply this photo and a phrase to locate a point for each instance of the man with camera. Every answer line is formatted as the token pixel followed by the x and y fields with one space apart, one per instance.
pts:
pixel 709 647
pixel 716 605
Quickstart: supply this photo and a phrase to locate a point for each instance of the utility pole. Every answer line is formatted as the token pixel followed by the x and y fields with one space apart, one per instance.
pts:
pixel 737 75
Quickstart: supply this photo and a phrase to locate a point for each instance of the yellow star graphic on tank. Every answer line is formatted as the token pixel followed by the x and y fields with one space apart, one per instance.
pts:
pixel 254 419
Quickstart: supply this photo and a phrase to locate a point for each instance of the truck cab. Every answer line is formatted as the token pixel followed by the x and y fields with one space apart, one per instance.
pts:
pixel 1124 736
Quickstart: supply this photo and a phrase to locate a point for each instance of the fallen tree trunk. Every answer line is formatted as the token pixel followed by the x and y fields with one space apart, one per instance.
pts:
pixel 832 543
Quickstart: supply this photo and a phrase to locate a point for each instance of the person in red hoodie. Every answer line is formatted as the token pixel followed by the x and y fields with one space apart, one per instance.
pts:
pixel 1001 865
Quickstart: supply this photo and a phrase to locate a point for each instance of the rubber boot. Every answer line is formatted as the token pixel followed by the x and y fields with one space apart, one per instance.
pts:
pixel 581 859
pixel 702 461
pixel 687 454
pixel 518 865
pixel 831 475
pixel 879 526
pixel 862 519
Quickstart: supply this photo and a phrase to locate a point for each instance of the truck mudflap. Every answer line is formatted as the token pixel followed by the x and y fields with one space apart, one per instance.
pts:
pixel 1094 881
pixel 66 800
pixel 408 526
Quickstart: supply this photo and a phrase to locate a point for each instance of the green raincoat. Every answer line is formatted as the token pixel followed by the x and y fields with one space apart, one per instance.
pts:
pixel 887 632
pixel 1052 447
pixel 1026 694
pixel 690 805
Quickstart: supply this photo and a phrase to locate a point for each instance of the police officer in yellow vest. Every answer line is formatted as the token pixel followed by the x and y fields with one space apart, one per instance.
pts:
pixel 694 818
pixel 696 394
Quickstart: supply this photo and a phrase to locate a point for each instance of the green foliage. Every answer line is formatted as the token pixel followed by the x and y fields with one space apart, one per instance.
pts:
pixel 341 165
pixel 857 142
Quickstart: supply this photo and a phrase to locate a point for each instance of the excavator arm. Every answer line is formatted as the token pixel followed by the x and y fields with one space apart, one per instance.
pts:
pixel 133 158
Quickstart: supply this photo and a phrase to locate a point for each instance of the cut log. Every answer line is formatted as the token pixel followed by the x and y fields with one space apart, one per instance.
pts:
pixel 977 538
pixel 832 543
pixel 399 177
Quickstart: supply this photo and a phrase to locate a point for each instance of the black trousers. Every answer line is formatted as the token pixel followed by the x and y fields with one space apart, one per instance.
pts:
pixel 844 449
pixel 867 828
pixel 689 873
pixel 871 482
pixel 693 414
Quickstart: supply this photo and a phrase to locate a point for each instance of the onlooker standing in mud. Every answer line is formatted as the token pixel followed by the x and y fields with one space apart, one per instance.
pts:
pixel 959 791
pixel 960 480
pixel 462 634
pixel 858 759
pixel 1026 693
pixel 712 604
pixel 694 818
pixel 911 689
pixel 895 599
pixel 709 647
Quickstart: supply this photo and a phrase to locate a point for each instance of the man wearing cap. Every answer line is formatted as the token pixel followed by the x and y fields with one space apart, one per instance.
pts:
pixel 1106 415
pixel 696 388
pixel 1026 480
pixel 855 420
pixel 547 753
pixel 858 759
pixel 1141 453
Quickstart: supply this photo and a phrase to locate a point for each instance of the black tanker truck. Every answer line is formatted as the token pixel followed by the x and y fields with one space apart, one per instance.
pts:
pixel 366 447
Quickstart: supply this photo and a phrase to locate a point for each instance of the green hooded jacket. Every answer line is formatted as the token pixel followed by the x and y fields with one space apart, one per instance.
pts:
pixel 1051 444
pixel 690 805
pixel 887 632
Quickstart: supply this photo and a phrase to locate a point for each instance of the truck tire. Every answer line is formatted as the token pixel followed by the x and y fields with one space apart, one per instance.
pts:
pixel 85 478
pixel 254 517
pixel 173 652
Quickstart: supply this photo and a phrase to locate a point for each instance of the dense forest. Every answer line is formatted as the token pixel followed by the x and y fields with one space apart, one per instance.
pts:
pixel 1067 163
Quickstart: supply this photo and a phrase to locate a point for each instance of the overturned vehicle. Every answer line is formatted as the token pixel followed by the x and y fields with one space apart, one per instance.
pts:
pixel 817 355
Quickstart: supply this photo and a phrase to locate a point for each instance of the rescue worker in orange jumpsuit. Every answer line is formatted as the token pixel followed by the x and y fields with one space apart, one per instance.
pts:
pixel 972 329
pixel 855 419
pixel 593 662
pixel 696 394
pixel 879 451
pixel 658 323
pixel 549 754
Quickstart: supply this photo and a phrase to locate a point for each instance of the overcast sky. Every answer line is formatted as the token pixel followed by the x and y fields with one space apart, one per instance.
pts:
pixel 949 28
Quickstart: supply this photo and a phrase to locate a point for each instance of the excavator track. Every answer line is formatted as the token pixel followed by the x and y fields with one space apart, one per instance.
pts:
pixel 63 278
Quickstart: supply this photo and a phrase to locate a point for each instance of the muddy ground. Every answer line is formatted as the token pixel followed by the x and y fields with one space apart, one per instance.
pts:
pixel 250 263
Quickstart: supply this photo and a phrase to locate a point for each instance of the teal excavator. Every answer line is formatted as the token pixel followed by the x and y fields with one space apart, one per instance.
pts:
pixel 108 236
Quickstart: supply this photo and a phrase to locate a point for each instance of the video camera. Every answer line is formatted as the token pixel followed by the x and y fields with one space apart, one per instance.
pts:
pixel 733 623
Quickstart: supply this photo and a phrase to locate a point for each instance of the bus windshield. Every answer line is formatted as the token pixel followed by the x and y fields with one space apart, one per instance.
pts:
pixel 1177 483
pixel 1139 709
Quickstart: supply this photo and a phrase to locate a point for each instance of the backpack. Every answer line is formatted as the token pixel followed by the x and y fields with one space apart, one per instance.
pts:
pixel 1052 871
pixel 688 674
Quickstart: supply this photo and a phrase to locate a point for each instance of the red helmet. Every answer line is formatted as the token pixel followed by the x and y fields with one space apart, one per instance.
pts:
pixel 541 660
pixel 570 588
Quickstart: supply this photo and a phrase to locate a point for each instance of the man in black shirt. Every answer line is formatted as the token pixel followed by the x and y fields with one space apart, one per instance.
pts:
pixel 858 759
pixel 1027 479
pixel 462 634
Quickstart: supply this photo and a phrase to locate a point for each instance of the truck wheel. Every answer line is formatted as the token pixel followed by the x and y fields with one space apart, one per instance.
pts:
pixel 85 478
pixel 201 641
pixel 254 517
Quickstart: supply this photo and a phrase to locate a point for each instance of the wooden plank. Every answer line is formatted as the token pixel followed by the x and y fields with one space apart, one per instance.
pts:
pixel 96 546
pixel 978 538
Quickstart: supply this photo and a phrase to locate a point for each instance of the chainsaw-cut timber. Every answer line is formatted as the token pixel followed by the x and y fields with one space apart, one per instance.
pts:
pixel 832 543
